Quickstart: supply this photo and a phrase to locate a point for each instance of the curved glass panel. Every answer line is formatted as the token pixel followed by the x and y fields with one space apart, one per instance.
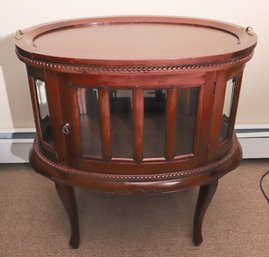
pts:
pixel 121 122
pixel 227 109
pixel 89 121
pixel 43 108
pixel 154 123
pixel 187 104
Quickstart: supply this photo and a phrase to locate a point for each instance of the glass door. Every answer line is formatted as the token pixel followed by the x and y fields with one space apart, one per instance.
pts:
pixel 137 124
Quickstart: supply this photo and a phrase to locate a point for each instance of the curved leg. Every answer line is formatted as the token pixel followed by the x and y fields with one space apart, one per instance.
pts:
pixel 67 196
pixel 206 194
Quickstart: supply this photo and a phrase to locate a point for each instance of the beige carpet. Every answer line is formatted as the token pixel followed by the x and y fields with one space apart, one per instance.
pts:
pixel 33 221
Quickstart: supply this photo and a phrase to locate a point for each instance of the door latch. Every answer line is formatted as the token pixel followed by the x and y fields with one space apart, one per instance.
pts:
pixel 65 128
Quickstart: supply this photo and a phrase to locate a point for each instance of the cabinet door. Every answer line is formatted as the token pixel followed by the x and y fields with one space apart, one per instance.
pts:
pixel 134 125
pixel 107 119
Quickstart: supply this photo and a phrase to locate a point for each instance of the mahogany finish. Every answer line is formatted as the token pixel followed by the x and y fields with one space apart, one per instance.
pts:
pixel 135 104
pixel 67 196
pixel 206 194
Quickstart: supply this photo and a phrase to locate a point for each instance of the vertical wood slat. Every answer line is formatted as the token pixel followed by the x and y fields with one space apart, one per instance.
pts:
pixel 219 95
pixel 171 111
pixel 138 114
pixel 52 89
pixel 31 79
pixel 205 117
pixel 73 140
pixel 105 123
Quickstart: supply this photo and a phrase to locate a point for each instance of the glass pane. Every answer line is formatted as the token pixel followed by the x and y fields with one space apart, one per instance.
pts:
pixel 89 121
pixel 121 118
pixel 227 109
pixel 186 120
pixel 154 123
pixel 43 110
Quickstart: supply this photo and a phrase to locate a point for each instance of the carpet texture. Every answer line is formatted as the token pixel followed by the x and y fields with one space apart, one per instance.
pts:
pixel 34 223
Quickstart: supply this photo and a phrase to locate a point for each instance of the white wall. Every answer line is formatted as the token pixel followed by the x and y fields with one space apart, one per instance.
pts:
pixel 15 106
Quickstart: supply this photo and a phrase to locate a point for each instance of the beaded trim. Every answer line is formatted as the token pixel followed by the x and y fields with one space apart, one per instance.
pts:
pixel 134 178
pixel 91 68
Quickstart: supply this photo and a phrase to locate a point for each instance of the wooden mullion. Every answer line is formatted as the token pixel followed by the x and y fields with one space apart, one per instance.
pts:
pixel 138 114
pixel 105 123
pixel 171 111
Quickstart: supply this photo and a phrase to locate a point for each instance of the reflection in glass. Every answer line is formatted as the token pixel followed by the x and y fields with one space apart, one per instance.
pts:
pixel 186 120
pixel 154 123
pixel 121 118
pixel 227 109
pixel 43 110
pixel 89 121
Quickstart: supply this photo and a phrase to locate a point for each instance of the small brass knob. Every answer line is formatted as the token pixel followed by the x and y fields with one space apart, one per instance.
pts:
pixel 250 31
pixel 65 128
pixel 19 34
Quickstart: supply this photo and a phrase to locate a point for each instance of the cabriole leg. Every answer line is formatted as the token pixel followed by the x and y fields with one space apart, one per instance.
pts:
pixel 67 196
pixel 206 194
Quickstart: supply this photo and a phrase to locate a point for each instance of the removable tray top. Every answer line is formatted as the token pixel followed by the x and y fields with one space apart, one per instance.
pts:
pixel 135 40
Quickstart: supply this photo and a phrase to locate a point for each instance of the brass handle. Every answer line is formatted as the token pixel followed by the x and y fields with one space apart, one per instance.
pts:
pixel 65 129
pixel 19 34
pixel 250 31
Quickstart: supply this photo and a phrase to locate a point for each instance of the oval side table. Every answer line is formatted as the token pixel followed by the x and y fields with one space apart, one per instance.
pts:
pixel 135 104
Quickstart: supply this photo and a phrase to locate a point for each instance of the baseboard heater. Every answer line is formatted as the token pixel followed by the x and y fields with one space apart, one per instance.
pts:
pixel 254 140
pixel 16 144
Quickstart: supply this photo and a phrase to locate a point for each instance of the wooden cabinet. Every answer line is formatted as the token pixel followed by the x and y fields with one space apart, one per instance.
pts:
pixel 135 104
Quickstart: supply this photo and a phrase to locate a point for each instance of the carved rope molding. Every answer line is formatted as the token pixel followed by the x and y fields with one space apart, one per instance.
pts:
pixel 135 178
pixel 91 68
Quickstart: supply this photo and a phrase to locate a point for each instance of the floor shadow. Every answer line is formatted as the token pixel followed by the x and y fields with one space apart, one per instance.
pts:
pixel 15 79
pixel 139 213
